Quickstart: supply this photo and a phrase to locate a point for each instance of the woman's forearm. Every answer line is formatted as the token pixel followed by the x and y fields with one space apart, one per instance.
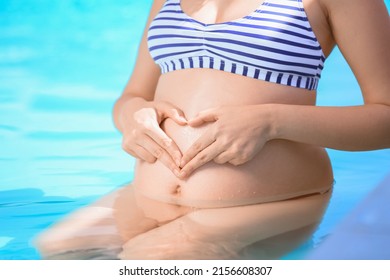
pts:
pixel 354 128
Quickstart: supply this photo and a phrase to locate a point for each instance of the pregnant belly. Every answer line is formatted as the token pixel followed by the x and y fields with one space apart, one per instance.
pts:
pixel 281 170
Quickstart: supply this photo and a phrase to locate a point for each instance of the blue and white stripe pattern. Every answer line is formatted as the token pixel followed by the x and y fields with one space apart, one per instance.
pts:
pixel 274 43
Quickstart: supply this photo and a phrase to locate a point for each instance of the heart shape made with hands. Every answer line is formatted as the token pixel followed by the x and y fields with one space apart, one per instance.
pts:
pixel 183 135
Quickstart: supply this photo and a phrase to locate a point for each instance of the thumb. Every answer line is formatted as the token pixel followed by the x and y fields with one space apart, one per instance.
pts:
pixel 177 115
pixel 209 115
pixel 167 110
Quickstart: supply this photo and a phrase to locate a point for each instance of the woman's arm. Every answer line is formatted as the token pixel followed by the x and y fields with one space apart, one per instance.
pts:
pixel 138 117
pixel 361 29
pixel 144 78
pixel 358 128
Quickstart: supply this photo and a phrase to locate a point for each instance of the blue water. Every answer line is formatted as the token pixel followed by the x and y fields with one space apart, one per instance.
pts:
pixel 62 65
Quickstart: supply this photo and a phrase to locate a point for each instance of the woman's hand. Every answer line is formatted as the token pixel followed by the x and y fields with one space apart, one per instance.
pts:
pixel 143 137
pixel 236 136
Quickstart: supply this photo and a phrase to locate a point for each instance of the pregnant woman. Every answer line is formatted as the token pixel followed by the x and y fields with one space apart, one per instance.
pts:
pixel 220 114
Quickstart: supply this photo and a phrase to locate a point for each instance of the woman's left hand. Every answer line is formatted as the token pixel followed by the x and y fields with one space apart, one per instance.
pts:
pixel 236 136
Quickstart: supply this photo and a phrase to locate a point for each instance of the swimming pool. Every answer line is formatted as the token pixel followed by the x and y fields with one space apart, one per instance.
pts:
pixel 62 65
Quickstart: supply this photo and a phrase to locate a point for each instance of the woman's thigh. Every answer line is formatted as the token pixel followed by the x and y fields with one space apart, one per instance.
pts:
pixel 142 228
pixel 105 224
pixel 272 229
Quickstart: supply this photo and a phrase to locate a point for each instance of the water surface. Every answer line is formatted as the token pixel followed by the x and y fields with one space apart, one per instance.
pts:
pixel 62 65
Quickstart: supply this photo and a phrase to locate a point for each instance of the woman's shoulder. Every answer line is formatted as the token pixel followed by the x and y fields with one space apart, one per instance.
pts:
pixel 331 5
pixel 361 30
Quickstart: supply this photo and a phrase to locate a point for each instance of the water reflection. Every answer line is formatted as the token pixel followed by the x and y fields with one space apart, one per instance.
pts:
pixel 127 225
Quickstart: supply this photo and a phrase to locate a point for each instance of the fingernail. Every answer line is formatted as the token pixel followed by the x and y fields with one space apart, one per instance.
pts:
pixel 183 174
pixel 190 123
pixel 182 119
pixel 176 172
pixel 177 157
pixel 182 163
pixel 168 141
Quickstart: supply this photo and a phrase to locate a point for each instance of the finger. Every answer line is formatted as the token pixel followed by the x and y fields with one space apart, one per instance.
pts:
pixel 166 159
pixel 167 110
pixel 204 141
pixel 161 154
pixel 209 115
pixel 237 161
pixel 244 155
pixel 177 115
pixel 223 158
pixel 200 159
pixel 144 154
pixel 159 136
pixel 126 146
pixel 240 159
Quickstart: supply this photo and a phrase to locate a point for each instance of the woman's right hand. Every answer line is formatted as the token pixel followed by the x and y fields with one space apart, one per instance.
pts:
pixel 143 137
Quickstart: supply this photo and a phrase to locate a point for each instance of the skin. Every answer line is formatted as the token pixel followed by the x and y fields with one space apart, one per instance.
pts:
pixel 231 129
pixel 247 143
pixel 137 227
pixel 331 26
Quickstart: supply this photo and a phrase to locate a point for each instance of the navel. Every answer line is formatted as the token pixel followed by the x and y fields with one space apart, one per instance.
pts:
pixel 176 190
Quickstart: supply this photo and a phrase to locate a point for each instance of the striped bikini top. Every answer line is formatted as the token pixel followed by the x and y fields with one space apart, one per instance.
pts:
pixel 275 43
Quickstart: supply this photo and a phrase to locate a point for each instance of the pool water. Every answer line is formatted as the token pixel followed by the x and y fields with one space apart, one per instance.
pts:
pixel 62 66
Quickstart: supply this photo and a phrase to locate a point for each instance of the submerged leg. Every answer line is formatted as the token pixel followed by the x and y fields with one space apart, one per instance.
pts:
pixel 227 233
pixel 100 229
pixel 84 230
